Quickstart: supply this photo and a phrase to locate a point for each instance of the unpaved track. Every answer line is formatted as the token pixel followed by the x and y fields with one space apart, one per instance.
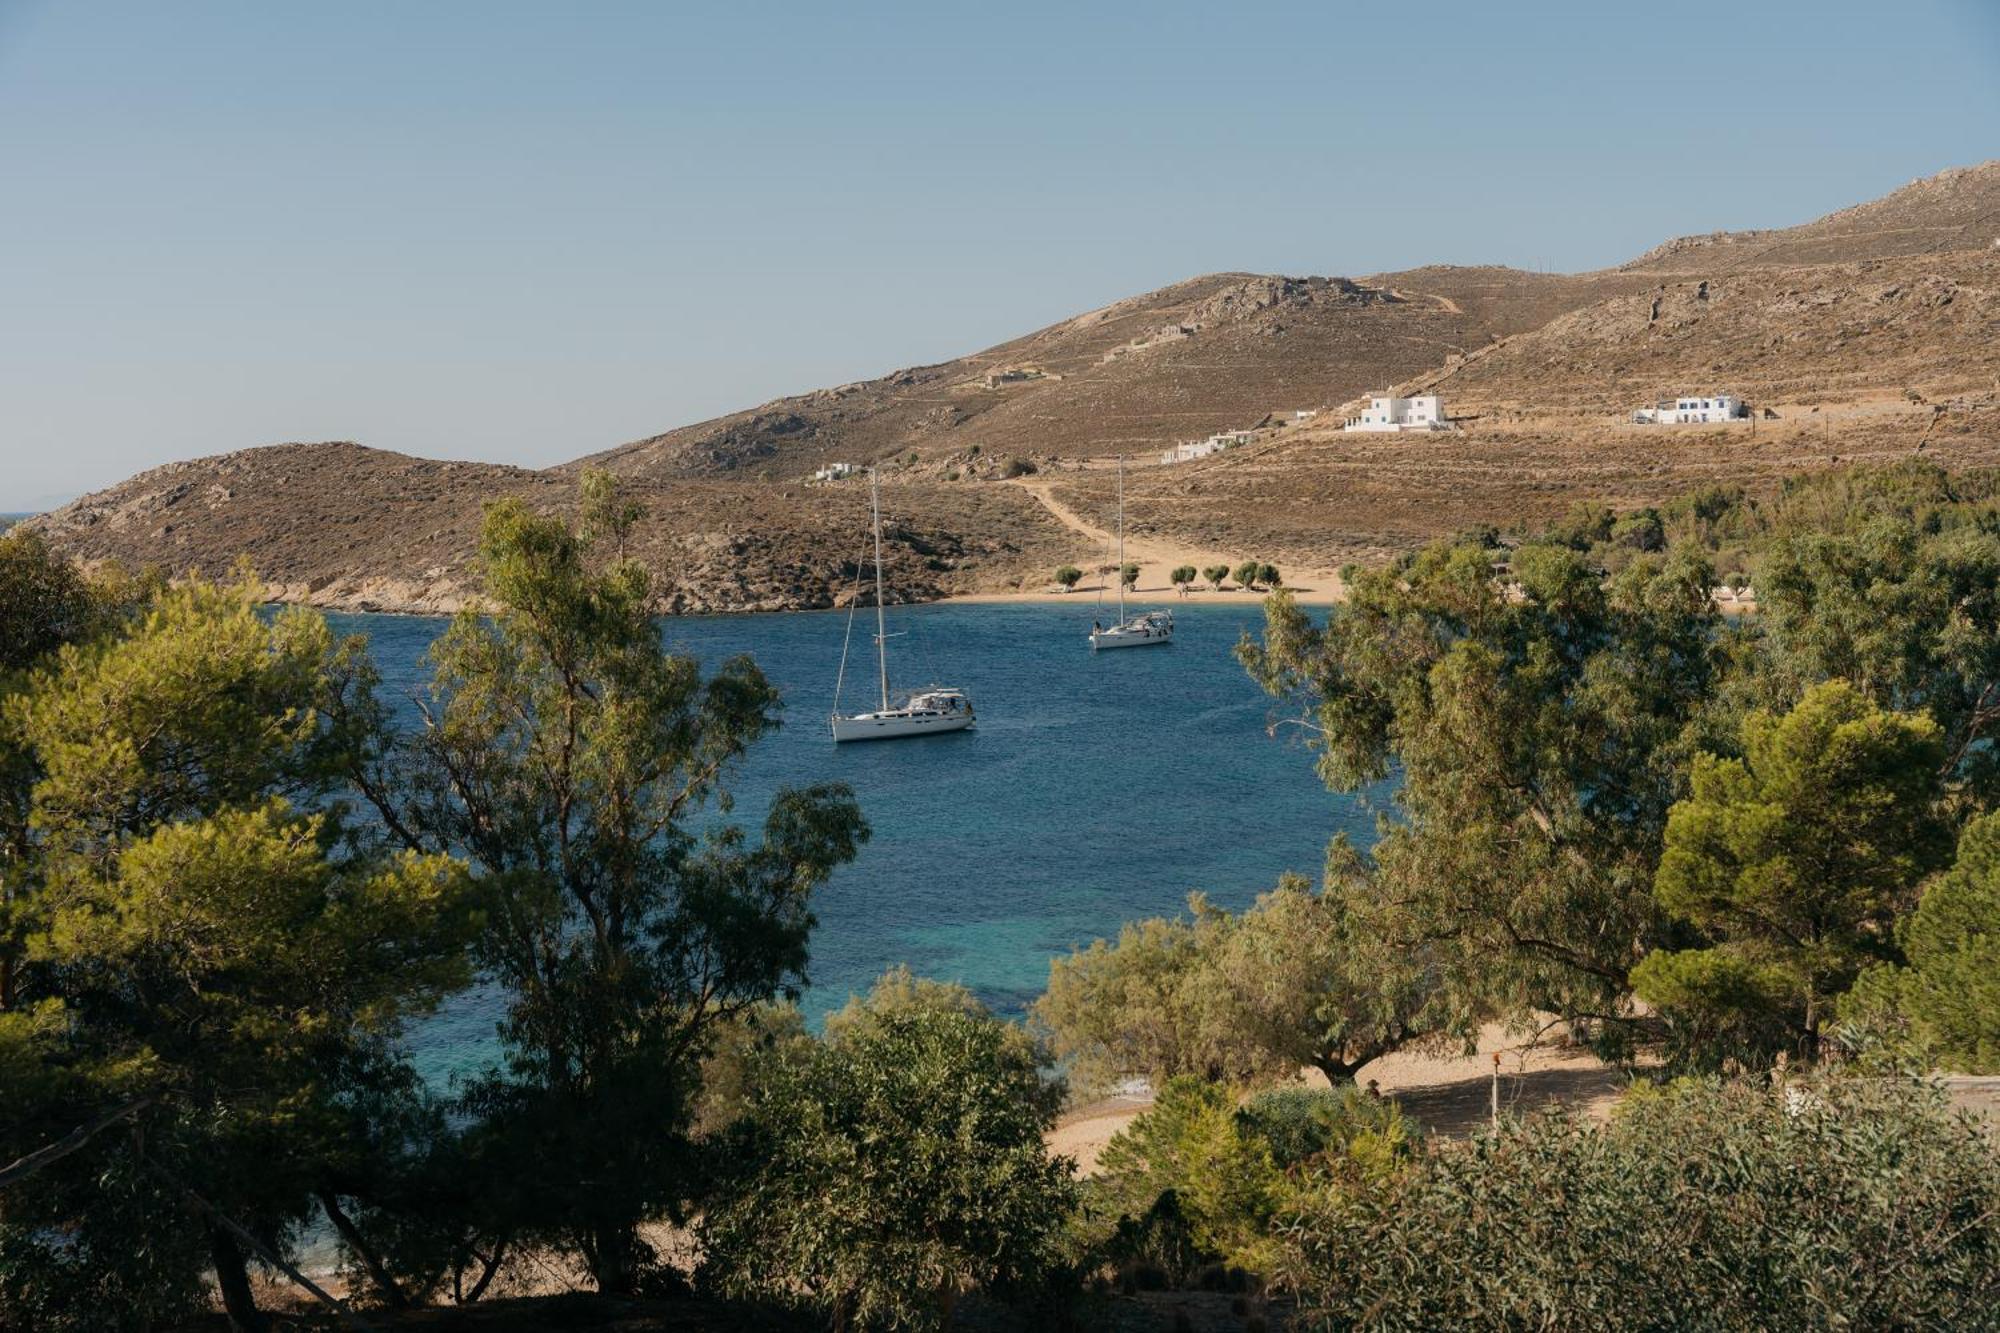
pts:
pixel 1445 303
pixel 1157 560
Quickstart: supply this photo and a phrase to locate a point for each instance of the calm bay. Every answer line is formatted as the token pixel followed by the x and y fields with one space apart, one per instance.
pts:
pixel 1094 790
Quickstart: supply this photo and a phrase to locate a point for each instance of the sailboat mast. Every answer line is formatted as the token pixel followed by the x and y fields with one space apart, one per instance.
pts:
pixel 881 628
pixel 1121 539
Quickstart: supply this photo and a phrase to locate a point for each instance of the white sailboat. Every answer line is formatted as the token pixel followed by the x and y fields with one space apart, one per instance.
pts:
pixel 923 713
pixel 1148 627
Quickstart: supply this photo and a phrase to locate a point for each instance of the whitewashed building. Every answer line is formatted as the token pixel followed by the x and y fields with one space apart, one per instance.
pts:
pixel 1216 443
pixel 834 472
pixel 1388 413
pixel 1693 411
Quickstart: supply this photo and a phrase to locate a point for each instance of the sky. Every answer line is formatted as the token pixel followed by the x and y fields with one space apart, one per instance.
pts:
pixel 524 232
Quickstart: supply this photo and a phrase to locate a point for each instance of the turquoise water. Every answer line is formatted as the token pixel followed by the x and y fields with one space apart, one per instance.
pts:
pixel 1094 790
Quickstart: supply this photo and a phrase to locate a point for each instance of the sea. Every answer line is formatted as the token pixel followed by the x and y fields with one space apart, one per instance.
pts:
pixel 1094 790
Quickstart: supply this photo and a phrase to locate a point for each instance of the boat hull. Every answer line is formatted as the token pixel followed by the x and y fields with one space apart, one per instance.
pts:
pixel 1112 639
pixel 871 728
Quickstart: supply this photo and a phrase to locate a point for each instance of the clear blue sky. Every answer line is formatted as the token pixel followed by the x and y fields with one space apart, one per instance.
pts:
pixel 523 232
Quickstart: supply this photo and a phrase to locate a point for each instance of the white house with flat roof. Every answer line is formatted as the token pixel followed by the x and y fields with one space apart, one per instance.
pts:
pixel 1386 412
pixel 1693 411
pixel 1216 443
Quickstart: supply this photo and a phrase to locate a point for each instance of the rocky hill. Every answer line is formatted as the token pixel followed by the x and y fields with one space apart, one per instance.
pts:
pixel 340 525
pixel 1954 210
pixel 1223 351
pixel 1820 334
pixel 1871 332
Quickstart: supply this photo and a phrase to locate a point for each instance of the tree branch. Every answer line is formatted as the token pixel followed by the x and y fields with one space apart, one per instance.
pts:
pixel 68 1143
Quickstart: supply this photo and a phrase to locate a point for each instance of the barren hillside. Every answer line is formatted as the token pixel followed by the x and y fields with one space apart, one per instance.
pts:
pixel 1871 333
pixel 1216 352
pixel 1821 334
pixel 345 526
pixel 1957 209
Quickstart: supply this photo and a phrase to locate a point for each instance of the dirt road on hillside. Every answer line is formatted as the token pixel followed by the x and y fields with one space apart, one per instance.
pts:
pixel 1158 560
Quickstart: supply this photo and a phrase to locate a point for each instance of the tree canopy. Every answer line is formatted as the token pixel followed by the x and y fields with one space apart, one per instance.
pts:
pixel 893 1167
pixel 1942 1002
pixel 1791 914
pixel 1258 996
pixel 216 940
pixel 1539 727
pixel 566 755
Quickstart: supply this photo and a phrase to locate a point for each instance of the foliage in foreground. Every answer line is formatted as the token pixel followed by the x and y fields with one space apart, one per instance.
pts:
pixel 196 936
pixel 566 756
pixel 1838 1203
pixel 884 1172
pixel 1225 1170
pixel 195 946
pixel 1539 727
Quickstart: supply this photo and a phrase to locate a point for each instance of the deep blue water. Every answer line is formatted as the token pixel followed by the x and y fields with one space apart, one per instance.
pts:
pixel 1094 790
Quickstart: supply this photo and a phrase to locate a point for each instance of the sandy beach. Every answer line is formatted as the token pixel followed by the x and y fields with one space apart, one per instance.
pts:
pixel 1446 1094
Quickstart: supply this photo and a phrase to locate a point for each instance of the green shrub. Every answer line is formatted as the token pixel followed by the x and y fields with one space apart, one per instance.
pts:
pixel 880 1174
pixel 1640 530
pixel 1300 1124
pixel 1840 1203
pixel 1191 1144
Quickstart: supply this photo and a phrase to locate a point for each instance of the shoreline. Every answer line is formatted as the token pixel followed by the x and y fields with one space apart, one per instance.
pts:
pixel 1308 596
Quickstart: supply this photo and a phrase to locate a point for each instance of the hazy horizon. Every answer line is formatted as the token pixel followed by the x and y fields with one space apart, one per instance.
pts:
pixel 512 234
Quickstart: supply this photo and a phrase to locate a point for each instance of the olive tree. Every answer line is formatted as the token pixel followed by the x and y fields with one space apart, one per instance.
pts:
pixel 1257 996
pixel 1857 1203
pixel 1068 576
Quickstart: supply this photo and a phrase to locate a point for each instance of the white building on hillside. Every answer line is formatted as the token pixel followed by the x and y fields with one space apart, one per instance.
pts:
pixel 1216 443
pixel 834 472
pixel 1384 412
pixel 1693 411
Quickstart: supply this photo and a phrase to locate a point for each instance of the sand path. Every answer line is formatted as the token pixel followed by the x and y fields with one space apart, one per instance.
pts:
pixel 1446 1094
pixel 1156 560
pixel 1445 303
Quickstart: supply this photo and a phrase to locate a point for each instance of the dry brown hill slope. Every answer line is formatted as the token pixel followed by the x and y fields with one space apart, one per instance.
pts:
pixel 1222 351
pixel 1855 327
pixel 340 525
pixel 1958 209
pixel 1820 334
